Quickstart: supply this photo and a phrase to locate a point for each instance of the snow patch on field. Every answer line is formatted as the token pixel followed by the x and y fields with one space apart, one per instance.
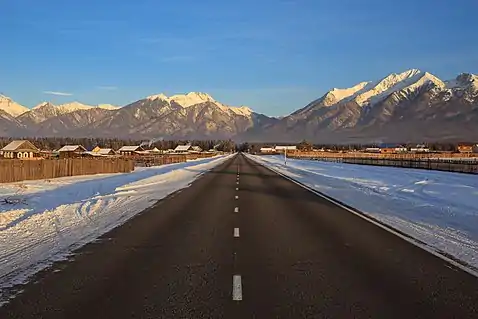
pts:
pixel 437 208
pixel 45 220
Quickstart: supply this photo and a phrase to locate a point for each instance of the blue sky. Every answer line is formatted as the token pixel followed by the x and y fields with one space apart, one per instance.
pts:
pixel 274 56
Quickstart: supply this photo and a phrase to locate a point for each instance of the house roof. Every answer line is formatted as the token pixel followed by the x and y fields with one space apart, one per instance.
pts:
pixel 94 154
pixel 155 150
pixel 130 148
pixel 72 148
pixel 105 151
pixel 182 148
pixel 196 148
pixel 20 145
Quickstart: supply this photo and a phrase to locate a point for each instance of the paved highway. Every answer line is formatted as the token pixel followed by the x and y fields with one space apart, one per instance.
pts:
pixel 243 242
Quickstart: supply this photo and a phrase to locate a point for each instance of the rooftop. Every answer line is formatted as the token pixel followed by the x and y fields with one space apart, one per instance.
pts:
pixel 19 145
pixel 72 148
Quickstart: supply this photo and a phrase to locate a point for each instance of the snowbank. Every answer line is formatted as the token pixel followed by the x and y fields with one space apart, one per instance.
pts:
pixel 50 218
pixel 437 208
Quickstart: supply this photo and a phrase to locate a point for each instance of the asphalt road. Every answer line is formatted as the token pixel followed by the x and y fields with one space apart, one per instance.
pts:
pixel 243 242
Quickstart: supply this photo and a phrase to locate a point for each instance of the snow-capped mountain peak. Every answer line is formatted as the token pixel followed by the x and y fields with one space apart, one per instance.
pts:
pixel 390 83
pixel 11 107
pixel 464 81
pixel 73 106
pixel 107 107
pixel 192 98
pixel 243 110
pixel 406 87
pixel 336 95
pixel 40 105
pixel 185 100
pixel 159 96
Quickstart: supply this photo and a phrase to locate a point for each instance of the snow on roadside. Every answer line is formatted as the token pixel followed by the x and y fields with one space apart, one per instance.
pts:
pixel 50 218
pixel 437 208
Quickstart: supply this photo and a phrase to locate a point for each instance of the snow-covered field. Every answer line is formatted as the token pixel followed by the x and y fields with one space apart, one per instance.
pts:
pixel 437 208
pixel 50 218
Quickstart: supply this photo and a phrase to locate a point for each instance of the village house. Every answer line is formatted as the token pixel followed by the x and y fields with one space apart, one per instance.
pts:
pixel 401 149
pixel 393 149
pixel 106 151
pixel 373 150
pixel 71 151
pixel 130 150
pixel 387 150
pixel 267 150
pixel 21 149
pixel 195 149
pixel 420 148
pixel 182 148
pixel 475 148
pixel 96 149
pixel 154 151
pixel 465 148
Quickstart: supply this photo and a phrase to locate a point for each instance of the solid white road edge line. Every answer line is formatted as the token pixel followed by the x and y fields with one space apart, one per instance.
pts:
pixel 236 210
pixel 236 232
pixel 383 226
pixel 236 288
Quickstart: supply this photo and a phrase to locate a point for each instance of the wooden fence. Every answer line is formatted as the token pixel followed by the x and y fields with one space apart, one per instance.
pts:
pixel 157 160
pixel 14 170
pixel 449 164
pixel 407 156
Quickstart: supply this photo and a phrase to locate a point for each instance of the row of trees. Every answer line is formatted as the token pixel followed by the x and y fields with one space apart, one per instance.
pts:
pixel 53 143
pixel 308 146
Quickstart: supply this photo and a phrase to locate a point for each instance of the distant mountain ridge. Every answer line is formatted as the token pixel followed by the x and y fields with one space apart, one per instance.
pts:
pixel 192 115
pixel 408 106
pixel 401 107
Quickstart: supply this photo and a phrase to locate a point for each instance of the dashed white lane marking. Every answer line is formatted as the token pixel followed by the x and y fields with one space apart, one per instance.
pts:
pixel 236 288
pixel 237 183
pixel 237 188
pixel 236 232
pixel 236 210
pixel 237 197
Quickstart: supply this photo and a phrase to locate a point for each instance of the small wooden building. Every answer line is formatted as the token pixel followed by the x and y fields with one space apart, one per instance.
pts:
pixel 388 150
pixel 106 151
pixel 96 149
pixel 71 151
pixel 182 148
pixel 196 149
pixel 267 150
pixel 21 149
pixel 465 148
pixel 373 150
pixel 130 150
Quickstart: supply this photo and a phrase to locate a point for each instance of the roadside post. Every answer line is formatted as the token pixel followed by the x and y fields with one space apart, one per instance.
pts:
pixel 285 156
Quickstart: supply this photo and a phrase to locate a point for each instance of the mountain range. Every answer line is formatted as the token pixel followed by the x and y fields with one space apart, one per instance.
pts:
pixel 412 106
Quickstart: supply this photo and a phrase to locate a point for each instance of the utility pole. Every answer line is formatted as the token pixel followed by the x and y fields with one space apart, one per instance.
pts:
pixel 285 156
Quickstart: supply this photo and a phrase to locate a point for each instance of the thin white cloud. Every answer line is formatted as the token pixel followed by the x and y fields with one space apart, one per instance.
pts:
pixel 57 93
pixel 178 58
pixel 107 88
